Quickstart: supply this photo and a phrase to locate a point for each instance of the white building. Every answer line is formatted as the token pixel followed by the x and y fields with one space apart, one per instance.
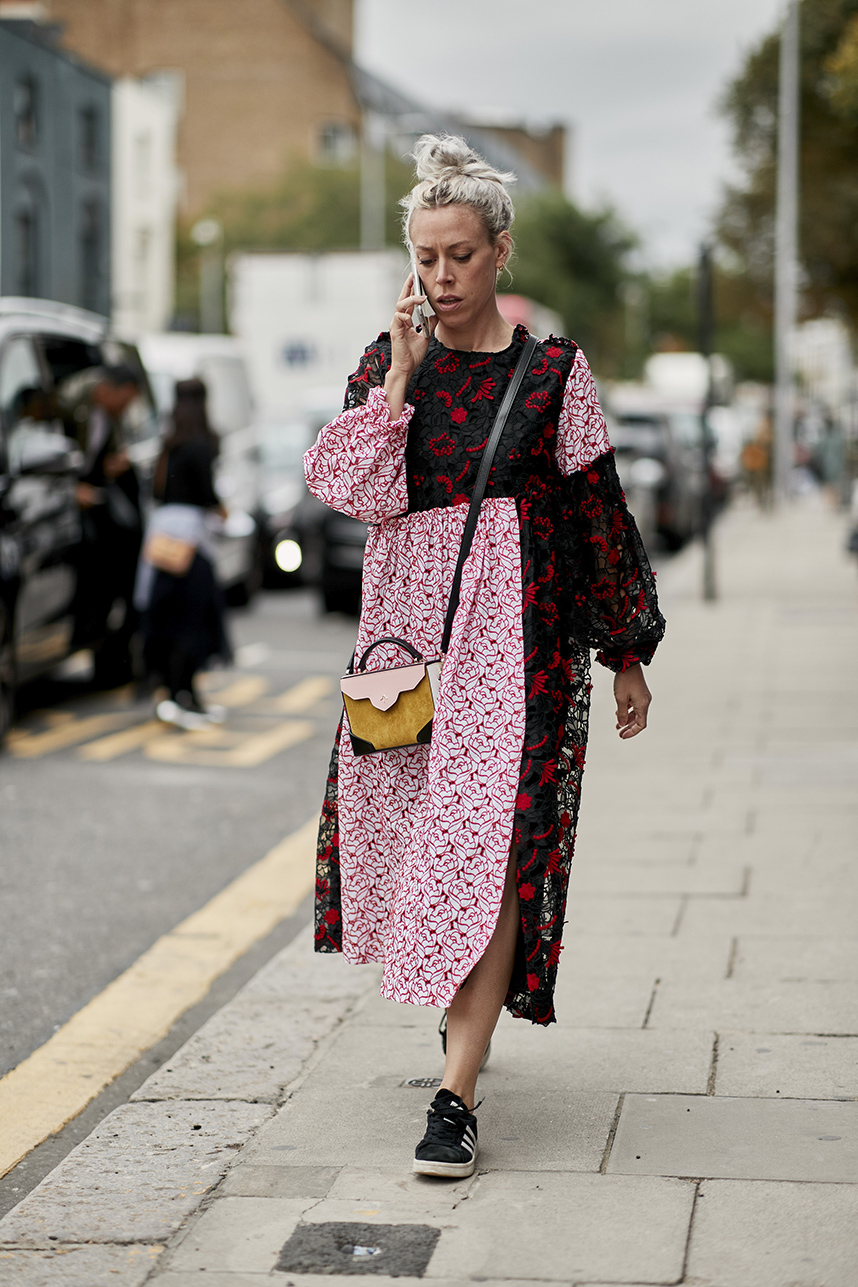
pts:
pixel 145 191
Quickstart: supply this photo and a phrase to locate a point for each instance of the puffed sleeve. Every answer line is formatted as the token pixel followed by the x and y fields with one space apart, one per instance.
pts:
pixel 357 464
pixel 612 600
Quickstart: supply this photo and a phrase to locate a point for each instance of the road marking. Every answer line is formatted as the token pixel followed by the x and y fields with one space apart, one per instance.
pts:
pixel 138 1008
pixel 298 700
pixel 241 692
pixel 67 732
pixel 115 744
pixel 221 748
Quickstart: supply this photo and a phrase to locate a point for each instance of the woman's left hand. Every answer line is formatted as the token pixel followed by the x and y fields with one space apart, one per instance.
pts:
pixel 633 699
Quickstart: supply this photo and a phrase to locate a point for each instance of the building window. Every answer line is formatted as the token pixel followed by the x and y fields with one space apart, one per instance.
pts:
pixel 89 142
pixel 26 115
pixel 27 237
pixel 90 257
pixel 337 143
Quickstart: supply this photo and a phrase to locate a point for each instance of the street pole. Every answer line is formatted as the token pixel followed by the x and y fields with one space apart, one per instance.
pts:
pixel 208 235
pixel 786 251
pixel 706 331
pixel 372 148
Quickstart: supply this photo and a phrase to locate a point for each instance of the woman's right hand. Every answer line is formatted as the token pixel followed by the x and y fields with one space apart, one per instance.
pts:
pixel 407 347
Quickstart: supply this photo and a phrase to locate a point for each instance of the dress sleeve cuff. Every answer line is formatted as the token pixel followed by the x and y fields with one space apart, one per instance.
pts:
pixel 377 403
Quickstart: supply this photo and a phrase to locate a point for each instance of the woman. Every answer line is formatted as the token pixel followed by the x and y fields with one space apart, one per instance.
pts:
pixel 183 626
pixel 450 862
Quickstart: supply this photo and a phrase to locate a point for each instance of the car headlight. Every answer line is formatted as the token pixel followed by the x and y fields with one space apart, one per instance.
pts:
pixel 287 555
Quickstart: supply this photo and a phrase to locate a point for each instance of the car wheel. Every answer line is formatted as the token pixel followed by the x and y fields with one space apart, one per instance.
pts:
pixel 8 676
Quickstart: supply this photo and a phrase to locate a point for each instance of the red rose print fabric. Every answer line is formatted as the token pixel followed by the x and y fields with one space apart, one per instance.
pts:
pixel 413 844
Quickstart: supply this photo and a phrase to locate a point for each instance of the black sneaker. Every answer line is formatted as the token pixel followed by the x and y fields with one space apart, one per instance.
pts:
pixel 449 1146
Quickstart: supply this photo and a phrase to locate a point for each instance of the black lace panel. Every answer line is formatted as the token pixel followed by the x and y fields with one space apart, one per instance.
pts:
pixel 586 583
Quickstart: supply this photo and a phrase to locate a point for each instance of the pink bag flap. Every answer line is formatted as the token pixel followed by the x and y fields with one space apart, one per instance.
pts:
pixel 382 687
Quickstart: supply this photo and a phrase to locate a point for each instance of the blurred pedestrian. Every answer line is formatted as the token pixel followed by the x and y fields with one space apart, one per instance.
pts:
pixel 756 460
pixel 449 859
pixel 108 495
pixel 181 602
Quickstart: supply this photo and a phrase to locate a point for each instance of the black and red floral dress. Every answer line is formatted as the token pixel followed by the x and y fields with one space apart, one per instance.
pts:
pixel 414 843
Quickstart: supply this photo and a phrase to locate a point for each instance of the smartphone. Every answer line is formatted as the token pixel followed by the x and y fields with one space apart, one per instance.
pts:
pixel 423 311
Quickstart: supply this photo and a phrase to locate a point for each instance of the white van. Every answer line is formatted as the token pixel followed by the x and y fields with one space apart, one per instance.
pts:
pixel 217 361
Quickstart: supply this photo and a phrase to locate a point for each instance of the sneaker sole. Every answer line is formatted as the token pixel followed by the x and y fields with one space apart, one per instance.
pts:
pixel 452 1170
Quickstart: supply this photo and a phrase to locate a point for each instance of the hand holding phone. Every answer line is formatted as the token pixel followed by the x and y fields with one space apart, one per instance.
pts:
pixel 424 311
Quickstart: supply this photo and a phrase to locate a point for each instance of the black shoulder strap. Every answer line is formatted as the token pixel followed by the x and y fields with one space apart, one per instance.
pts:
pixel 482 480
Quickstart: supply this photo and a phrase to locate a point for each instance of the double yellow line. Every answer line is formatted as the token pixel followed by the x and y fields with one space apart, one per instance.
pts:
pixel 139 1007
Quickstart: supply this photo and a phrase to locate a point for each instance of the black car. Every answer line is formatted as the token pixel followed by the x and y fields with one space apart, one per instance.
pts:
pixel 332 547
pixel 676 477
pixel 47 354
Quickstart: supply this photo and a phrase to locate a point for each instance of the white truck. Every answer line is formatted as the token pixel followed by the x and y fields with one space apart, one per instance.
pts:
pixel 303 321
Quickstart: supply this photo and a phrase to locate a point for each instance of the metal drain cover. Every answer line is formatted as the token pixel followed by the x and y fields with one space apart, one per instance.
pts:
pixel 394 1250
pixel 422 1083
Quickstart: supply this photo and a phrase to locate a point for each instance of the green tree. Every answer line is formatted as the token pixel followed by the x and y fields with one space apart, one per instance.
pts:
pixel 308 207
pixel 828 236
pixel 743 322
pixel 575 262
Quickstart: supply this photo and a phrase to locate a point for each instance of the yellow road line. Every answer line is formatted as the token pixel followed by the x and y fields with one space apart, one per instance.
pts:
pixel 241 692
pixel 218 747
pixel 138 1008
pixel 29 746
pixel 129 739
pixel 298 700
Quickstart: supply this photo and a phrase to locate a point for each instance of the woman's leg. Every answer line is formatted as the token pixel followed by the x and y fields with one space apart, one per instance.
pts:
pixel 474 1011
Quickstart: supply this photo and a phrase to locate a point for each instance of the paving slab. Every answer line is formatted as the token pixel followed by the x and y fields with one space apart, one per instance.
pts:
pixel 611 956
pixel 795 1067
pixel 774 1235
pixel 242 1235
pixel 251 1049
pixel 790 959
pixel 591 914
pixel 141 1172
pixel 604 1059
pixel 555 1127
pixel 745 1005
pixel 714 878
pixel 729 1138
pixel 248 1181
pixel 775 916
pixel 371 1186
pixel 568 1227
pixel 79 1266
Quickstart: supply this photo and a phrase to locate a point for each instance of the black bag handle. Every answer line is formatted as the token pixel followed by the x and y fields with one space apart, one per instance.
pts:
pixel 480 484
pixel 388 639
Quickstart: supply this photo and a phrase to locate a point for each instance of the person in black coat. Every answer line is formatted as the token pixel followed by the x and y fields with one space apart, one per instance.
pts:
pixel 108 496
pixel 183 622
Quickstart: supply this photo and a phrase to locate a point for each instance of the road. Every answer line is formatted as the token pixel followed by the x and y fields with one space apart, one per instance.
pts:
pixel 114 830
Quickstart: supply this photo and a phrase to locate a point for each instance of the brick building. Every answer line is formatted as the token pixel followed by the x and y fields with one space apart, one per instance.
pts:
pixel 262 80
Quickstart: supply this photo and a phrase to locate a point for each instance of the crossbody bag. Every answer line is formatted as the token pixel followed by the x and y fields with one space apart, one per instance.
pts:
pixel 395 706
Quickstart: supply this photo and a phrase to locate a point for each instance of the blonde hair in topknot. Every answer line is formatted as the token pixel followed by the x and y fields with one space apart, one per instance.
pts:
pixel 450 172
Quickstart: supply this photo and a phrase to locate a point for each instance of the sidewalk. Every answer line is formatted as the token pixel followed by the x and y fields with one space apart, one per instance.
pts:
pixel 692 1118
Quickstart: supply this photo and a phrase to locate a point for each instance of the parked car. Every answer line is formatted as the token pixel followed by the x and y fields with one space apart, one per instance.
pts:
pixel 46 350
pixel 217 360
pixel 332 544
pixel 281 448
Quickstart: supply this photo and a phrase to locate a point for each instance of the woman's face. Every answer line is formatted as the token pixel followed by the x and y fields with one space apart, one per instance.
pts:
pixel 457 261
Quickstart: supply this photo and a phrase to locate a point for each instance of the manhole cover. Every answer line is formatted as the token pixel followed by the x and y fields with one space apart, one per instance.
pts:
pixel 394 1250
pixel 423 1083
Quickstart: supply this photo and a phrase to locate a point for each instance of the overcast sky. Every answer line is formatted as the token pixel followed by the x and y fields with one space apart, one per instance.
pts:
pixel 638 80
